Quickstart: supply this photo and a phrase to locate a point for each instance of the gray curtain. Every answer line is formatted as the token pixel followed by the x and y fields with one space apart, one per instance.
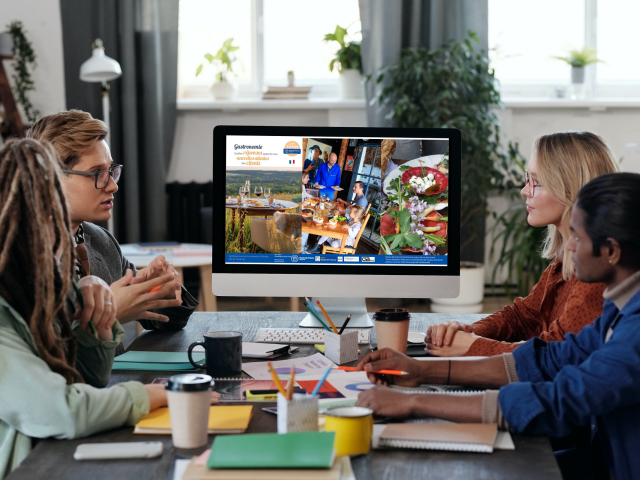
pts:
pixel 390 26
pixel 143 36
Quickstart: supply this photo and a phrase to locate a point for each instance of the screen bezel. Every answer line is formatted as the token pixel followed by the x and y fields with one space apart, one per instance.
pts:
pixel 220 133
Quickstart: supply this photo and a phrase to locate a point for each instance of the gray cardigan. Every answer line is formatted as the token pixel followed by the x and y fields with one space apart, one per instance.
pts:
pixel 107 262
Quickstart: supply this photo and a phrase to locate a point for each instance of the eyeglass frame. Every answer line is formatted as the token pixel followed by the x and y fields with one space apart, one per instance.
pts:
pixel 112 168
pixel 528 180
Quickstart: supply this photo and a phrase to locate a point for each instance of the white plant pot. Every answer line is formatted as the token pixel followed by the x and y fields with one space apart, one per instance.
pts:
pixel 6 44
pixel 291 78
pixel 223 90
pixel 351 84
pixel 577 74
pixel 471 292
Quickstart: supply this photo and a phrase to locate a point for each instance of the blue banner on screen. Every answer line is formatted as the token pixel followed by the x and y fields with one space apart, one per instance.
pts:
pixel 344 201
pixel 345 259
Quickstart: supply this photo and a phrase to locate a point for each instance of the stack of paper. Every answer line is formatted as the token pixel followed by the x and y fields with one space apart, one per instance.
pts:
pixel 222 419
pixel 167 361
pixel 457 437
pixel 286 93
pixel 265 351
pixel 266 456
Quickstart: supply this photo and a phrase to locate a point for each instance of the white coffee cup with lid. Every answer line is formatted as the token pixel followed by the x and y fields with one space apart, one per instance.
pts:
pixel 189 397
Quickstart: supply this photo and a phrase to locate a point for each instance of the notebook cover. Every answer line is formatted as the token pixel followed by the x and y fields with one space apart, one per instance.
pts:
pixel 158 357
pixel 165 367
pixel 453 434
pixel 201 472
pixel 272 450
pixel 221 419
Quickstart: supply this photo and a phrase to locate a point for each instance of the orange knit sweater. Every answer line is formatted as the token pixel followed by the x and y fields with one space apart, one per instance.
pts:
pixel 553 308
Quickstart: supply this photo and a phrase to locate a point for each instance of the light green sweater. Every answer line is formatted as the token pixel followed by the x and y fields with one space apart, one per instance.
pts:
pixel 36 402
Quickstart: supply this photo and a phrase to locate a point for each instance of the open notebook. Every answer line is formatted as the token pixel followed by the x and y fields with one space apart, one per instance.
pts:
pixel 457 437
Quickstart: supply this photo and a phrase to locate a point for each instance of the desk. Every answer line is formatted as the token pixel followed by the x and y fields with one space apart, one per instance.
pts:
pixel 53 459
pixel 187 255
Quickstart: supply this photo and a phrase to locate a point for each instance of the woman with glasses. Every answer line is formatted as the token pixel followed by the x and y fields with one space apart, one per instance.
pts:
pixel 90 182
pixel 559 303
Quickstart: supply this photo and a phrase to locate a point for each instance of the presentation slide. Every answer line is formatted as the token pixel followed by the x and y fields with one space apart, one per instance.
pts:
pixel 373 201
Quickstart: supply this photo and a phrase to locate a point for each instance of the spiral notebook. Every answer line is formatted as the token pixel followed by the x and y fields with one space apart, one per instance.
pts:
pixel 455 437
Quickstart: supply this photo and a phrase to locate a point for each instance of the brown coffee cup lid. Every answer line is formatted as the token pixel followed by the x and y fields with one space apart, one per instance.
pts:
pixel 392 314
pixel 189 382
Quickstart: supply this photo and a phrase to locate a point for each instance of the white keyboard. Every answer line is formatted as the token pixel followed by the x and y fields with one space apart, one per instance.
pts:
pixel 309 336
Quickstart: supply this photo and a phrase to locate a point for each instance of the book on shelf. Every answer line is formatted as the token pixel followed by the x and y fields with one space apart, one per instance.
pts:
pixel 286 93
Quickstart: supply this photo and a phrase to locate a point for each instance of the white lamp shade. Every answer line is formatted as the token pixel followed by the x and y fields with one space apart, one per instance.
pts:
pixel 99 68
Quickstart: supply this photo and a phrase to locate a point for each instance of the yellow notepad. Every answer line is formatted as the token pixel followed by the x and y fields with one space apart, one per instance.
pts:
pixel 222 419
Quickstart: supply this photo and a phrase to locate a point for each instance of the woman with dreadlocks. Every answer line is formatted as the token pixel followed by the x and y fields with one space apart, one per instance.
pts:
pixel 50 361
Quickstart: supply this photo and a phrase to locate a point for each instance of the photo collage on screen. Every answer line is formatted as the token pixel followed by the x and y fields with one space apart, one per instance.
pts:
pixel 336 200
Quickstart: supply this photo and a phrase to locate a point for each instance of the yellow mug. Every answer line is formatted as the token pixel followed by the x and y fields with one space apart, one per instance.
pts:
pixel 353 427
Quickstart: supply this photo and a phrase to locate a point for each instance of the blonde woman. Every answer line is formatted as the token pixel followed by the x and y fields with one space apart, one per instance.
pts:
pixel 560 165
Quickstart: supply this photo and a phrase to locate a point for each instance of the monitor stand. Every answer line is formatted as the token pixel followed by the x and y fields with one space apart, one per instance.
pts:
pixel 338 308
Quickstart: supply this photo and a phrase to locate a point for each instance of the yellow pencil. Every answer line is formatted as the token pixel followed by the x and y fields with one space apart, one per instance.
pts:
pixel 276 380
pixel 328 319
pixel 290 386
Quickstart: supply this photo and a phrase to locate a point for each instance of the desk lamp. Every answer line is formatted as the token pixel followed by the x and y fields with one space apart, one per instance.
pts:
pixel 100 68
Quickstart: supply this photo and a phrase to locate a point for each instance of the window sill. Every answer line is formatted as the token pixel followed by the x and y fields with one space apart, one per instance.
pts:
pixel 237 104
pixel 595 104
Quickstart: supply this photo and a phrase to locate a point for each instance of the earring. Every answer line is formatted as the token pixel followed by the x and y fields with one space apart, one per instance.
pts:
pixel 611 261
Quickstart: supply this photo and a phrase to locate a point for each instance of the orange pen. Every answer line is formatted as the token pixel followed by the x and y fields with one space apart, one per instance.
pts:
pixel 154 289
pixel 385 372
pixel 276 380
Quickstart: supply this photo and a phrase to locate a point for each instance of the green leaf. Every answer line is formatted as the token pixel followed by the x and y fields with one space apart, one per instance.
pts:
pixel 199 70
pixel 209 57
pixel 404 168
pixel 397 242
pixel 227 43
pixel 331 65
pixel 414 240
pixel 405 221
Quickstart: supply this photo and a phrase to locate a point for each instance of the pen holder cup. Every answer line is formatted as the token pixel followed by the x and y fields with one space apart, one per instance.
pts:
pixel 298 415
pixel 341 349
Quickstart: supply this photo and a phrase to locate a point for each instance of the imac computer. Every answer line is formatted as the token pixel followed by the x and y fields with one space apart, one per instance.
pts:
pixel 378 215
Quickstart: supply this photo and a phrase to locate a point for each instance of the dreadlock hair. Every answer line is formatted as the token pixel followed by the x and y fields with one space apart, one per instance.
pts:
pixel 36 250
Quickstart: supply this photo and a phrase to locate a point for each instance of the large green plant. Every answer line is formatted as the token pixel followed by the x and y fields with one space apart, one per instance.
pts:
pixel 24 61
pixel 454 87
pixel 348 56
pixel 519 243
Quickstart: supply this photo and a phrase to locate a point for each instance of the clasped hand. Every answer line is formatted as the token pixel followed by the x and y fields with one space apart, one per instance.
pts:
pixel 134 295
pixel 99 306
pixel 449 339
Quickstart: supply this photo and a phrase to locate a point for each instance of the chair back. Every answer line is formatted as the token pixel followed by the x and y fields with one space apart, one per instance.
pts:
pixel 364 224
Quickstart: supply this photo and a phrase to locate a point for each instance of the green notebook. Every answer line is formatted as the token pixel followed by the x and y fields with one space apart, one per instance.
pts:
pixel 273 450
pixel 169 367
pixel 158 357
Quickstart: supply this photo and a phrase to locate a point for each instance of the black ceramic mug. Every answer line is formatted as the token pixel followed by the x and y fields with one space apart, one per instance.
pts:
pixel 222 353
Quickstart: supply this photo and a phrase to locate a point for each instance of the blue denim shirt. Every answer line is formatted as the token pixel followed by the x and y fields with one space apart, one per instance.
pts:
pixel 328 178
pixel 584 378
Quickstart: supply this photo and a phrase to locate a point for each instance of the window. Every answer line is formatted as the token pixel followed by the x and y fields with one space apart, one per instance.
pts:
pixel 274 36
pixel 524 36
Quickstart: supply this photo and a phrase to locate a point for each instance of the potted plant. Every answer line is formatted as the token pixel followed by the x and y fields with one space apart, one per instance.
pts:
pixel 579 59
pixel 454 87
pixel 290 78
pixel 24 61
pixel 348 61
pixel 222 89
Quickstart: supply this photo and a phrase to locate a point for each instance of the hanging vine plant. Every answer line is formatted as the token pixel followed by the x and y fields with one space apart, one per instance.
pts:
pixel 24 61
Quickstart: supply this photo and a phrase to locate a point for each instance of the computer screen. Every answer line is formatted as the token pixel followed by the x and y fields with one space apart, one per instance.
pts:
pixel 337 204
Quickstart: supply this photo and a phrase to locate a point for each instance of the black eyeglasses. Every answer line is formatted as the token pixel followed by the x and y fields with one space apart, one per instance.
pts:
pixel 101 177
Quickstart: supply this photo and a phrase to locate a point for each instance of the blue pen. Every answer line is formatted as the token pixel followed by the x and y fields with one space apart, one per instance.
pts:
pixel 319 385
pixel 312 307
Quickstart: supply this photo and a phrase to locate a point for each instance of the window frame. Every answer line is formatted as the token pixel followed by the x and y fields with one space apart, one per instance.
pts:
pixel 594 88
pixel 321 88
